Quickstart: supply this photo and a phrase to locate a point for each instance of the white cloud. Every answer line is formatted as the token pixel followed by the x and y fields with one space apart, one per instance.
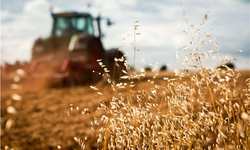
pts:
pixel 127 2
pixel 36 7
pixel 178 40
pixel 228 2
pixel 19 33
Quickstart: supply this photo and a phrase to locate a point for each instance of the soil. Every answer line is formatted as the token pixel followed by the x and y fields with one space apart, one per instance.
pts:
pixel 48 119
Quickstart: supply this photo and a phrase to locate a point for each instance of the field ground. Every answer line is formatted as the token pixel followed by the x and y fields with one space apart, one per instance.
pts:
pixel 44 118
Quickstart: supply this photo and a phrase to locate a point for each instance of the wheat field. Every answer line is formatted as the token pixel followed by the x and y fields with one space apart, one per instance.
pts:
pixel 193 107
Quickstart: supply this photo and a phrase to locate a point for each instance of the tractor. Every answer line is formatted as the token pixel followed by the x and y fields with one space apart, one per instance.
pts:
pixel 73 54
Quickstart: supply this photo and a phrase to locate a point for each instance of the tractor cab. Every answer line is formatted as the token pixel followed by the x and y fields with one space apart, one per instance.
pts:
pixel 70 23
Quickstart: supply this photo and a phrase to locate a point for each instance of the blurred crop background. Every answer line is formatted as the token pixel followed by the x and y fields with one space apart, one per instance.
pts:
pixel 161 26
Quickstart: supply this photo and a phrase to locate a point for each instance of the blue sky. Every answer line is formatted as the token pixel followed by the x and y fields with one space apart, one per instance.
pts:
pixel 161 26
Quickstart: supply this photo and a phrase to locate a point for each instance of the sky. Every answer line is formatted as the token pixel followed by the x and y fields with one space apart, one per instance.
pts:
pixel 161 27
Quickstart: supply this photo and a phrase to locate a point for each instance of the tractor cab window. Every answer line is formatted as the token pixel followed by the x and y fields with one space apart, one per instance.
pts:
pixel 90 26
pixel 62 26
pixel 71 25
pixel 80 23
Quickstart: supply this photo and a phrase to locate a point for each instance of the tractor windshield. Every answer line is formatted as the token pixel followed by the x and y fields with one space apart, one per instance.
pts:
pixel 70 25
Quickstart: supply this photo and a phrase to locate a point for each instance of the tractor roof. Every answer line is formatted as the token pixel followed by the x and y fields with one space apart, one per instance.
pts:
pixel 71 14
